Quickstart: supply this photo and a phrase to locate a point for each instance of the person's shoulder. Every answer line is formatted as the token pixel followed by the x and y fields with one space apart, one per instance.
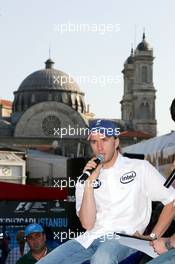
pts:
pixel 49 249
pixel 138 164
pixel 24 259
pixel 133 161
pixel 21 260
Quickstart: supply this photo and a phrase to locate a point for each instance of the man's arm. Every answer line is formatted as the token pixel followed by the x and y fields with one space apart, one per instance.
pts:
pixel 165 219
pixel 160 245
pixel 87 213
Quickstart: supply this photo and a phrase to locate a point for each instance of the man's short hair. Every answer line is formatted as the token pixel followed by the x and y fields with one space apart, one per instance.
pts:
pixel 172 109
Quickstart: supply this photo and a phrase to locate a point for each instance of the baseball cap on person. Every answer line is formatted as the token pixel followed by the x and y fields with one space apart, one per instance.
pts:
pixel 105 127
pixel 33 228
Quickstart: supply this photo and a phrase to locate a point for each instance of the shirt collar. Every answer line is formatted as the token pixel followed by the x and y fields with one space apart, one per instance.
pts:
pixel 117 165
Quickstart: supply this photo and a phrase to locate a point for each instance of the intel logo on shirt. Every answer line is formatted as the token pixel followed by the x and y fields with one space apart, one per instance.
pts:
pixel 128 177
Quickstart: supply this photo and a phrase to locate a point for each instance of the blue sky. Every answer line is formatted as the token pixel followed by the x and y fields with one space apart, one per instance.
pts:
pixel 29 28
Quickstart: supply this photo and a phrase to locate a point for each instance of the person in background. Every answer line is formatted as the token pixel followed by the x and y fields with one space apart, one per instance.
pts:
pixel 165 247
pixel 172 109
pixel 36 239
pixel 18 251
pixel 4 246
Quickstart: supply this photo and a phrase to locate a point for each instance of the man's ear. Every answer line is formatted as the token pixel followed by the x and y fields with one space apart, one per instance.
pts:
pixel 44 235
pixel 117 141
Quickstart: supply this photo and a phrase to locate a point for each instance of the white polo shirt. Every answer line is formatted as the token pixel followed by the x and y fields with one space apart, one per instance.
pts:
pixel 124 199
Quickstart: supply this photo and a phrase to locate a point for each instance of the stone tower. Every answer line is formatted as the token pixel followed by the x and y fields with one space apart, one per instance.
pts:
pixel 138 102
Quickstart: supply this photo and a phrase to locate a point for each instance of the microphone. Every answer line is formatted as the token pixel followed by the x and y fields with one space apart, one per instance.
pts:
pixel 170 179
pixel 87 173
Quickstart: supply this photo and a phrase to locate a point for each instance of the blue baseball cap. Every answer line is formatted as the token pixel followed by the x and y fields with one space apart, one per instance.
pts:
pixel 33 228
pixel 105 127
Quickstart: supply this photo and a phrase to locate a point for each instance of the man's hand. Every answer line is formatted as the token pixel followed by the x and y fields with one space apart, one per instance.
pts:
pixel 137 234
pixel 159 245
pixel 92 165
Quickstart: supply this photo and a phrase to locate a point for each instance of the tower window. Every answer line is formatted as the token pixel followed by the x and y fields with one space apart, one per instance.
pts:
pixel 144 111
pixel 144 74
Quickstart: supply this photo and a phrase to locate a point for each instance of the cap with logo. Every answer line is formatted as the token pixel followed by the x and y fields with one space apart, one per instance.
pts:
pixel 106 127
pixel 33 228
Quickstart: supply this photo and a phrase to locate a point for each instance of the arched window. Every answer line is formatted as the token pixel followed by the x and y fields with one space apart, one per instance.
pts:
pixel 49 97
pixel 77 103
pixel 144 111
pixel 130 116
pixel 33 98
pixel 144 74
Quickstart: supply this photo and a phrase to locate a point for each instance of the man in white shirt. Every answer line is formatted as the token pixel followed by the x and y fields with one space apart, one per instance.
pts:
pixel 115 198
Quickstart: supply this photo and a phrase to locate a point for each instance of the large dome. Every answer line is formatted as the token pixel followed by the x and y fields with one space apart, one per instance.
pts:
pixel 49 78
pixel 48 84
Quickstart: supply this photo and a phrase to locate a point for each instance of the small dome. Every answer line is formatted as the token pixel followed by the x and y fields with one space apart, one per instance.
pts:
pixel 143 46
pixel 130 59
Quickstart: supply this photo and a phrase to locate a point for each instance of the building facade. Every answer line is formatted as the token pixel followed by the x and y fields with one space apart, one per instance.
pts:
pixel 49 107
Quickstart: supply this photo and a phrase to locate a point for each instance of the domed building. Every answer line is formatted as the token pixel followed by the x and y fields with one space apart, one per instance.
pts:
pixel 48 106
pixel 47 101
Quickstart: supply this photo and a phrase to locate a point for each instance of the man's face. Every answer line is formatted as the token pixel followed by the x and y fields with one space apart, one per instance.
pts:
pixel 107 146
pixel 36 242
